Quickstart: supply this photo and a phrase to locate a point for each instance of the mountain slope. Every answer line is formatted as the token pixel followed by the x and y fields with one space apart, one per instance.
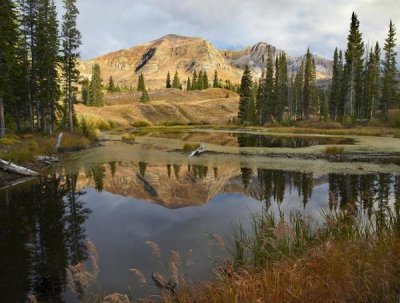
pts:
pixel 187 54
pixel 256 55
pixel 155 58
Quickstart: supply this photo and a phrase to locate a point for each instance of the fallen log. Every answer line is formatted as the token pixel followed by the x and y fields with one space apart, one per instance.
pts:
pixel 15 169
pixel 47 160
pixel 197 152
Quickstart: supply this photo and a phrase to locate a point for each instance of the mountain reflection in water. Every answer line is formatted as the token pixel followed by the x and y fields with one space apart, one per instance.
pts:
pixel 45 225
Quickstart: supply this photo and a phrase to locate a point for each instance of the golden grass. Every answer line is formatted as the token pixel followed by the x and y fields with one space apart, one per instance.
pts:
pixel 74 142
pixel 190 146
pixel 128 137
pixel 339 261
pixel 334 150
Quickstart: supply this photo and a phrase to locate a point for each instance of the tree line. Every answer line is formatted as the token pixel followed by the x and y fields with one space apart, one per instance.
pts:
pixel 38 65
pixel 364 87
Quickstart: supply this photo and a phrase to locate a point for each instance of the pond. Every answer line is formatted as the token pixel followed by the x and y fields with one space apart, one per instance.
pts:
pixel 107 215
pixel 248 139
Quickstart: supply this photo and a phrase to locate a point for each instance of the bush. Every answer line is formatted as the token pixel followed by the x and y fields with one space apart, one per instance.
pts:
pixel 397 134
pixel 88 129
pixel 140 123
pixel 334 150
pixel 128 137
pixel 103 125
pixel 9 140
pixel 190 146
pixel 74 142
pixel 394 118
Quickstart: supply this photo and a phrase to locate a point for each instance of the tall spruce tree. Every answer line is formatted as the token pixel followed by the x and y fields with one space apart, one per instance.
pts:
pixel 85 90
pixel 216 80
pixel 372 85
pixel 194 81
pixel 168 81
pixel 141 87
pixel 71 40
pixel 298 92
pixel 389 73
pixel 353 70
pixel 176 83
pixel 96 97
pixel 188 84
pixel 205 80
pixel 281 85
pixel 246 102
pixel 261 100
pixel 336 86
pixel 9 36
pixel 111 86
pixel 269 105
pixel 309 89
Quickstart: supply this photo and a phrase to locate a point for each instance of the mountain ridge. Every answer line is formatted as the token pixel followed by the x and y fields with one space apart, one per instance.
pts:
pixel 186 54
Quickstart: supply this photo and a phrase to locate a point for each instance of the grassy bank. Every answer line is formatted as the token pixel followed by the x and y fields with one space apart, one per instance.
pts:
pixel 24 148
pixel 293 260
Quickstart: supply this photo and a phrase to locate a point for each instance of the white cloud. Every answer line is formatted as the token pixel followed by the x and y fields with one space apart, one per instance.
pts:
pixel 292 25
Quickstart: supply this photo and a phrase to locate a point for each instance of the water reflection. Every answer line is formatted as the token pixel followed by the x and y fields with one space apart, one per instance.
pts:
pixel 252 140
pixel 41 233
pixel 44 224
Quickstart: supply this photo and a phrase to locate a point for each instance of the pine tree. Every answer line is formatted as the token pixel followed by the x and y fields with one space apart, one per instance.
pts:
pixel 71 40
pixel 298 92
pixel 189 84
pixel 145 96
pixel 96 97
pixel 270 108
pixel 176 83
pixel 216 80
pixel 9 36
pixel 111 86
pixel 141 87
pixel 389 73
pixel 194 81
pixel 309 90
pixel 335 92
pixel 246 102
pixel 261 100
pixel 372 86
pixel 85 90
pixel 205 80
pixel 282 86
pixel 200 81
pixel 323 105
pixel 168 82
pixel 353 70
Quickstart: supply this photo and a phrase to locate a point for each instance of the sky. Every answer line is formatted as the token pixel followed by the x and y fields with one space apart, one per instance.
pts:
pixel 291 25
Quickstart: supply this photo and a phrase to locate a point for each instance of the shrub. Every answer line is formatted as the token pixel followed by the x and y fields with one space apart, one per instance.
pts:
pixel 190 146
pixel 397 134
pixel 394 118
pixel 74 142
pixel 334 150
pixel 140 123
pixel 128 137
pixel 88 129
pixel 103 125
pixel 9 140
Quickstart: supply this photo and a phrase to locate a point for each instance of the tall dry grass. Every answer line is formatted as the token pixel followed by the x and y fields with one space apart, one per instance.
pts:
pixel 340 260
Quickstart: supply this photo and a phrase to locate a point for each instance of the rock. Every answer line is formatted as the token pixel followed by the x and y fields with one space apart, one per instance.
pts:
pixel 116 298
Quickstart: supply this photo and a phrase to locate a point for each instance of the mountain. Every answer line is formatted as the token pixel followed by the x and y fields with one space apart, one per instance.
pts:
pixel 155 58
pixel 185 55
pixel 256 55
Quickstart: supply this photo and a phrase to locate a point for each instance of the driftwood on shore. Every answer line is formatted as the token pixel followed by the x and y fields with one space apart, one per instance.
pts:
pixel 197 152
pixel 46 159
pixel 15 169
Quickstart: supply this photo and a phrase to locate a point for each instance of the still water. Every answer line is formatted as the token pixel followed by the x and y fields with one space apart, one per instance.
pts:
pixel 88 222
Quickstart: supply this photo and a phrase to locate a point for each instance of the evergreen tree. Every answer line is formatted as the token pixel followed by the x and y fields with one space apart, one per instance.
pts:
pixel 145 96
pixel 168 82
pixel 71 40
pixel 336 89
pixel 246 102
pixel 176 83
pixel 309 90
pixel 189 84
pixel 141 87
pixel 389 73
pixel 372 84
pixel 298 92
pixel 261 100
pixel 194 81
pixel 111 86
pixel 9 36
pixel 205 80
pixel 282 86
pixel 270 108
pixel 85 90
pixel 96 97
pixel 200 81
pixel 323 105
pixel 353 70
pixel 216 82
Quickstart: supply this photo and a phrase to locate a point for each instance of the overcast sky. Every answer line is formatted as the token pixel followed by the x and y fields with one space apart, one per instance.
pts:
pixel 292 25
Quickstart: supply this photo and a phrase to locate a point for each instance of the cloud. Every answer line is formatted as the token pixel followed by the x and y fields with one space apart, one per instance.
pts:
pixel 292 25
